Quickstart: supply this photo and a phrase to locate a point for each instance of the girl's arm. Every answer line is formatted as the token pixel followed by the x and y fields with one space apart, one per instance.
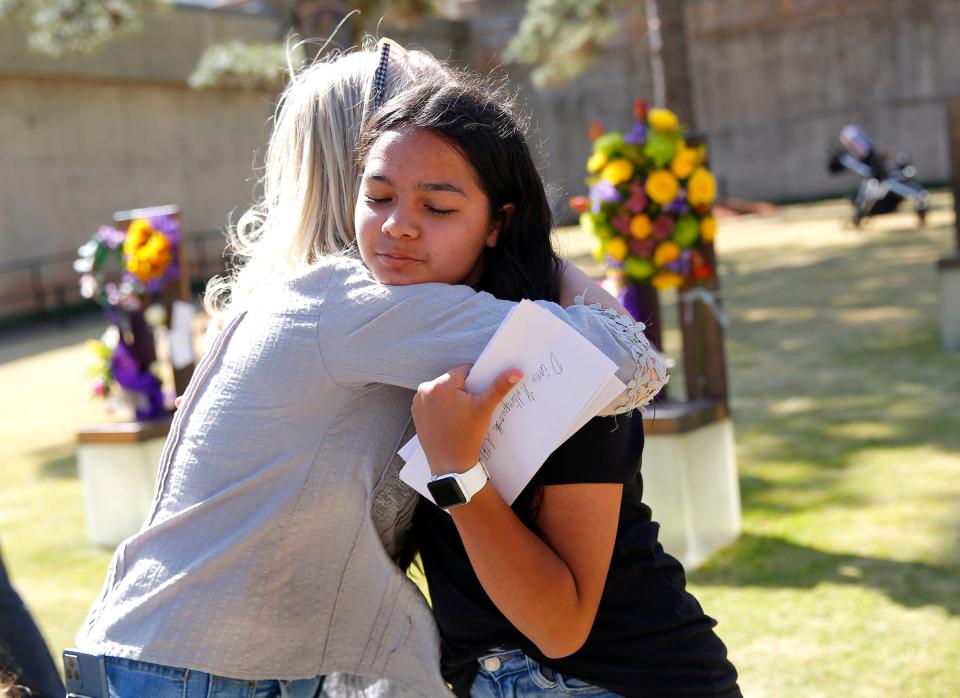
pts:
pixel 576 286
pixel 548 587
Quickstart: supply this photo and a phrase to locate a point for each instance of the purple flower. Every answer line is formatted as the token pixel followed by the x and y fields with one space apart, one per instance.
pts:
pixel 110 236
pixel 604 191
pixel 681 264
pixel 167 225
pixel 601 192
pixel 128 373
pixel 637 134
pixel 679 205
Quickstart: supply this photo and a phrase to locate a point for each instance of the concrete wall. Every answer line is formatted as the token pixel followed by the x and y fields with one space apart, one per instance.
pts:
pixel 85 136
pixel 774 81
pixel 120 129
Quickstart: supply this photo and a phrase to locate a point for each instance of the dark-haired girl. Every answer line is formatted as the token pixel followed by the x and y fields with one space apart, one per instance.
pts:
pixel 568 591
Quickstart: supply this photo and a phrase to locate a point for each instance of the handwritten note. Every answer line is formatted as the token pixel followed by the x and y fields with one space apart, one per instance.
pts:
pixel 566 382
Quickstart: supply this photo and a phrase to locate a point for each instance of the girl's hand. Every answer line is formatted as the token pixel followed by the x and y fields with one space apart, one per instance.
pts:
pixel 451 423
pixel 548 587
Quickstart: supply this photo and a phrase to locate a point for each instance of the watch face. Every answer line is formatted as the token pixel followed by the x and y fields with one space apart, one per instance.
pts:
pixel 446 492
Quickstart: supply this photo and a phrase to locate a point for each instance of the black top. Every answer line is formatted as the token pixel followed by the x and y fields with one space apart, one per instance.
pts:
pixel 650 637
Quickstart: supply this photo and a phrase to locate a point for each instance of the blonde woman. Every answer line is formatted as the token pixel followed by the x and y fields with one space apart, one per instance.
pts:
pixel 263 564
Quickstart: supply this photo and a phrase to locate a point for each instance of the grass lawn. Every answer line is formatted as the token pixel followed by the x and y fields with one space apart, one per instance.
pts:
pixel 846 580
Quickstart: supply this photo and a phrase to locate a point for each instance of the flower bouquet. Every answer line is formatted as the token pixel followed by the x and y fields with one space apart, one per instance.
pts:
pixel 123 270
pixel 650 201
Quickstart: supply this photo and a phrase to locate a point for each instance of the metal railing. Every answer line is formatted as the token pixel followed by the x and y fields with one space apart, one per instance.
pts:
pixel 46 287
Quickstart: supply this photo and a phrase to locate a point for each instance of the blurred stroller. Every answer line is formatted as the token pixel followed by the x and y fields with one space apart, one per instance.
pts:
pixel 882 188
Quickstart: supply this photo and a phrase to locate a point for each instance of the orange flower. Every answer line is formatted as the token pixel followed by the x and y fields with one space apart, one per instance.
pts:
pixel 702 188
pixel 579 204
pixel 662 187
pixel 138 232
pixel 618 171
pixel 684 162
pixel 640 226
pixel 708 229
pixel 663 120
pixel 596 162
pixel 666 279
pixel 665 253
pixel 639 109
pixel 617 248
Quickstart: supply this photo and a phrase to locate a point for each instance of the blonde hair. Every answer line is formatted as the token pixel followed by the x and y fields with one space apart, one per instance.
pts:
pixel 311 177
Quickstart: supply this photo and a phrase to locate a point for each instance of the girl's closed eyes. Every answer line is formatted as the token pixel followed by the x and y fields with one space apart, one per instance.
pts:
pixel 420 201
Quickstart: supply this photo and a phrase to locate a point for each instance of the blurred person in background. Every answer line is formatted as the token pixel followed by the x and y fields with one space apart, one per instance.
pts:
pixel 24 659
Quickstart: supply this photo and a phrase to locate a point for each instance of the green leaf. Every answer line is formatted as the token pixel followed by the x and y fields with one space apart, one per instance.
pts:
pixel 686 232
pixel 660 148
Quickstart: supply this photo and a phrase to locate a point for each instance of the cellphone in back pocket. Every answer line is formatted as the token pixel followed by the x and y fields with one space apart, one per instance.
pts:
pixel 85 674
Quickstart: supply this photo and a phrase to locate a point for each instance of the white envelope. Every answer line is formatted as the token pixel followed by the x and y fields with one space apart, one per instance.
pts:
pixel 566 382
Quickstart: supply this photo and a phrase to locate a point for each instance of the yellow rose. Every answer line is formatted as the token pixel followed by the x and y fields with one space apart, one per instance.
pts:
pixel 708 229
pixel 640 226
pixel 702 188
pixel 596 162
pixel 662 187
pixel 596 249
pixel 666 279
pixel 663 120
pixel 684 162
pixel 665 253
pixel 618 171
pixel 617 248
pixel 138 232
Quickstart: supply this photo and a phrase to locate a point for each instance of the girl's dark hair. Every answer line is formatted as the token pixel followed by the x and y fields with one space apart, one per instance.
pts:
pixel 482 125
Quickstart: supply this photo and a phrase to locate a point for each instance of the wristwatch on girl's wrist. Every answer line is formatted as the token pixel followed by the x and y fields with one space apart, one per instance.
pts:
pixel 455 489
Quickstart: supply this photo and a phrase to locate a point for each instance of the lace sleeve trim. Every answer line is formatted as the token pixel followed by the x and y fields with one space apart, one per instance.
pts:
pixel 650 370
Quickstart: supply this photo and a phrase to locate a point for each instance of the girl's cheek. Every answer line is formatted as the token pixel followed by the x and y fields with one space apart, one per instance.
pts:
pixel 366 222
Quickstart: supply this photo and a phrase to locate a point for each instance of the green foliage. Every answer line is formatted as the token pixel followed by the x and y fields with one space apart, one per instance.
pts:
pixel 561 39
pixel 250 66
pixel 58 27
pixel 62 27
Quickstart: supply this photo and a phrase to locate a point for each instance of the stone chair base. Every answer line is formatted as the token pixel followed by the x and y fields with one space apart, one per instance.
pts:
pixel 118 468
pixel 690 479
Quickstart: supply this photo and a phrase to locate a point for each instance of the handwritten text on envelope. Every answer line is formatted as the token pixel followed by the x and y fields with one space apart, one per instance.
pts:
pixel 566 382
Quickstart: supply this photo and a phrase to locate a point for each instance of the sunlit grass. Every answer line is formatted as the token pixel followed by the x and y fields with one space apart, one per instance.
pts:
pixel 846 581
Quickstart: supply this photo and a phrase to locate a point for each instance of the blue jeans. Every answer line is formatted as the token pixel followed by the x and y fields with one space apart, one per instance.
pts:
pixel 127 678
pixel 512 674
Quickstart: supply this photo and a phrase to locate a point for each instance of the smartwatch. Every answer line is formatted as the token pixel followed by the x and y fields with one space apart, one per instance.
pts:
pixel 454 489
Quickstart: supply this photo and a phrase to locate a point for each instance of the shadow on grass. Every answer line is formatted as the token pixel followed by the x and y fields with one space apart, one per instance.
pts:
pixel 58 461
pixel 842 354
pixel 767 561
